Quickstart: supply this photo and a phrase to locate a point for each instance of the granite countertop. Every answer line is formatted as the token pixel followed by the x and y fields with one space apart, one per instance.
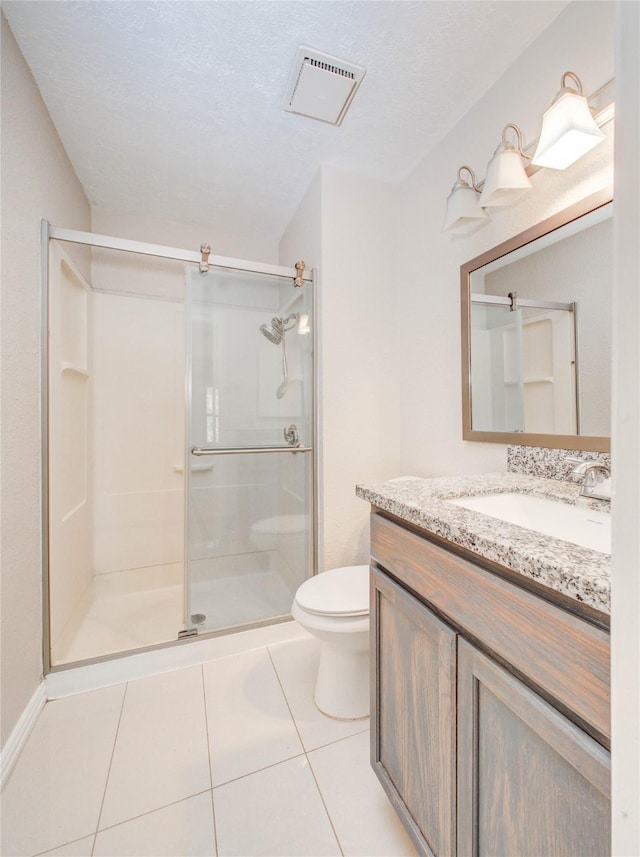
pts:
pixel 580 573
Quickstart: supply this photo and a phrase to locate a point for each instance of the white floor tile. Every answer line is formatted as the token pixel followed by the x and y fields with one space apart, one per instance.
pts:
pixel 161 753
pixel 274 812
pixel 297 665
pixel 250 726
pixel 363 818
pixel 54 794
pixel 184 828
pixel 79 848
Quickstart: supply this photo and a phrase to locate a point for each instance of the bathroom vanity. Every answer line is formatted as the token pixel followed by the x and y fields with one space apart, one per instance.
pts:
pixel 490 673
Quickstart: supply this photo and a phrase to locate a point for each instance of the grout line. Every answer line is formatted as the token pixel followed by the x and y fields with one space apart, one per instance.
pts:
pixel 337 740
pixel 151 811
pixel 293 719
pixel 215 826
pixel 326 809
pixel 113 751
pixel 306 755
pixel 206 725
pixel 259 770
pixel 64 844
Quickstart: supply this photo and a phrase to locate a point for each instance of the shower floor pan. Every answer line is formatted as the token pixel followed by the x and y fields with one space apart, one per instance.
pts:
pixel 134 609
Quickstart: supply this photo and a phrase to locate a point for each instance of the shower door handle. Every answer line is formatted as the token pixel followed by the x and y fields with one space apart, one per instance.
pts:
pixel 247 450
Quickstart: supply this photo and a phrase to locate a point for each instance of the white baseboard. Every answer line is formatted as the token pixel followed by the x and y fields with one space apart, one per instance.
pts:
pixel 21 731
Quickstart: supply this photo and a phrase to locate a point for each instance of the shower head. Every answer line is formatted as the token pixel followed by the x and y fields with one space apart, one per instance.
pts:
pixel 274 331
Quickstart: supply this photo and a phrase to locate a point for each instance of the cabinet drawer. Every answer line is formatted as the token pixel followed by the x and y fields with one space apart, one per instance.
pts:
pixel 562 656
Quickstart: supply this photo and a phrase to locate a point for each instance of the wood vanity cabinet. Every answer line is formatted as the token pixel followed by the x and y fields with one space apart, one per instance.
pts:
pixel 490 707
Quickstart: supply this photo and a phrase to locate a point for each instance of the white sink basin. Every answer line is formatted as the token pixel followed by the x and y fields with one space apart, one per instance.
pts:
pixel 584 527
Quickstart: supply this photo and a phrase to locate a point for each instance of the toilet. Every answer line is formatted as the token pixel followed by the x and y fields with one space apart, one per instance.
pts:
pixel 334 607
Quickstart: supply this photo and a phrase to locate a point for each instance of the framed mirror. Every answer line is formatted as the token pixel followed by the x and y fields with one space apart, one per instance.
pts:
pixel 536 333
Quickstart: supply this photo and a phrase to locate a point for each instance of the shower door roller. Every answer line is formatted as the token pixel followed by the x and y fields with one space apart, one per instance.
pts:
pixel 196 619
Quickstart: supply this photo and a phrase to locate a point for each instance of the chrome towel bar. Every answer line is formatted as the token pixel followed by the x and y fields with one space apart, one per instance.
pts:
pixel 203 450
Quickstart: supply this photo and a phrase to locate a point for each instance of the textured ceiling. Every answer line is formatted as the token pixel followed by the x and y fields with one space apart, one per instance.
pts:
pixel 173 108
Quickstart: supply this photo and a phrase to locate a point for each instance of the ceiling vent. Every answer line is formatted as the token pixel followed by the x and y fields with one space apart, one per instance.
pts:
pixel 321 86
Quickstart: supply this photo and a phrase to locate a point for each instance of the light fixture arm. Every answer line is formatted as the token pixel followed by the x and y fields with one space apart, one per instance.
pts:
pixel 474 181
pixel 575 79
pixel 507 144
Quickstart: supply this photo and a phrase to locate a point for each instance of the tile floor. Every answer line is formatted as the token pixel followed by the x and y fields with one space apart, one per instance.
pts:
pixel 230 757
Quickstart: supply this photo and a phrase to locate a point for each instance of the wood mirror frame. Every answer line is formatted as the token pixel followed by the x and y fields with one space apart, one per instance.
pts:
pixel 556 441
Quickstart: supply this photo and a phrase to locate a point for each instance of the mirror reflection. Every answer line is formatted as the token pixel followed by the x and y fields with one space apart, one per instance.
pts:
pixel 523 372
pixel 538 321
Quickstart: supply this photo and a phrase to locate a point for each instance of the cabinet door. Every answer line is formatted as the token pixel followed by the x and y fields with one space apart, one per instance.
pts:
pixel 413 714
pixel 530 782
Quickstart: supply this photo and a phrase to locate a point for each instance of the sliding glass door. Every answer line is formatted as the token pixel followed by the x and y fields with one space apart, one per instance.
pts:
pixel 249 509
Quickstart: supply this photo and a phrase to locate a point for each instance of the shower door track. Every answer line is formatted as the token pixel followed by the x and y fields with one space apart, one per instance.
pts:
pixel 49 232
pixel 109 242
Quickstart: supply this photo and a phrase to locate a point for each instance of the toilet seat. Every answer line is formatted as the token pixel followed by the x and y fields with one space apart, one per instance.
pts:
pixel 338 592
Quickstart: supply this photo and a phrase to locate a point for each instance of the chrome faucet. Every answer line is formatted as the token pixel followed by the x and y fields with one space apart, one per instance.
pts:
pixel 595 476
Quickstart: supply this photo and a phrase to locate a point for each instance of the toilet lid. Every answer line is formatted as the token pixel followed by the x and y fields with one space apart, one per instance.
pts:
pixel 338 592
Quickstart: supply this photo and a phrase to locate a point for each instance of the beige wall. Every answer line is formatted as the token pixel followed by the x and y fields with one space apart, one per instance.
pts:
pixel 248 245
pixel 345 225
pixel 360 370
pixel 625 572
pixel 37 181
pixel 428 260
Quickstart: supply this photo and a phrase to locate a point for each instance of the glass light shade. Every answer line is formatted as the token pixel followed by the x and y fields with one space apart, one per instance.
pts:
pixel 569 131
pixel 462 208
pixel 506 179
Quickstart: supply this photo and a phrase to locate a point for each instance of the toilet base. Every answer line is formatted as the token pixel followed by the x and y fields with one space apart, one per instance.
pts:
pixel 342 688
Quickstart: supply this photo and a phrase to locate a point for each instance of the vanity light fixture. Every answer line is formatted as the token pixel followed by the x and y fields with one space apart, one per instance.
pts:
pixel 569 130
pixel 571 127
pixel 506 179
pixel 463 208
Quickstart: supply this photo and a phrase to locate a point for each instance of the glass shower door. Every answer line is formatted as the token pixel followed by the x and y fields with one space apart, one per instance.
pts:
pixel 249 510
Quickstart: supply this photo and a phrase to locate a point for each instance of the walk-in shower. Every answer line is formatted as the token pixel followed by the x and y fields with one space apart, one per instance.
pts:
pixel 175 501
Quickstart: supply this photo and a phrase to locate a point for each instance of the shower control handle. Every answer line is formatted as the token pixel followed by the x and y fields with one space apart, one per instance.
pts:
pixel 291 435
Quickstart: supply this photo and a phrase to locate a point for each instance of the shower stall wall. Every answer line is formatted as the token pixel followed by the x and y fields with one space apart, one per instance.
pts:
pixel 171 509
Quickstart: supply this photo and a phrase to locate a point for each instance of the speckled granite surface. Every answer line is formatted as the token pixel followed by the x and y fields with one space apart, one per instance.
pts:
pixel 578 572
pixel 549 463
